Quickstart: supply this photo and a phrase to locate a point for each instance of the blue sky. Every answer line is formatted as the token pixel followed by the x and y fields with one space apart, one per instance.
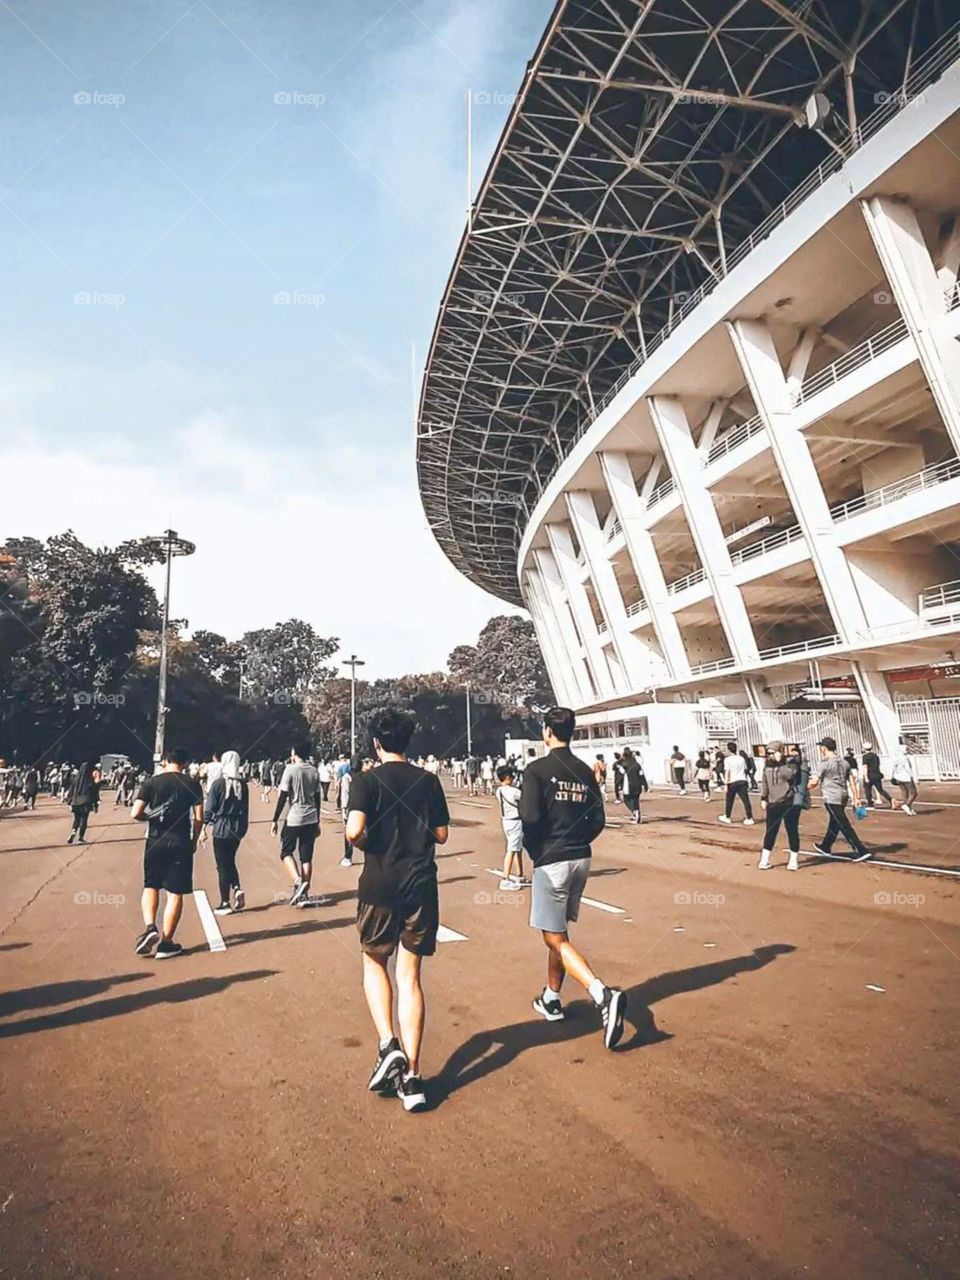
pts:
pixel 169 173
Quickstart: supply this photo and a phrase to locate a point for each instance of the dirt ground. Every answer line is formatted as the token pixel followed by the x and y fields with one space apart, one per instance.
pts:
pixel 783 1103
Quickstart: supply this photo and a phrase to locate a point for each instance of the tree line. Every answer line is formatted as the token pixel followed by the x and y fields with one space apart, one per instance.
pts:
pixel 79 655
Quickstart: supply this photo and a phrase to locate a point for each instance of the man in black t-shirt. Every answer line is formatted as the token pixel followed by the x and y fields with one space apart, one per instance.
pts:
pixel 397 815
pixel 171 802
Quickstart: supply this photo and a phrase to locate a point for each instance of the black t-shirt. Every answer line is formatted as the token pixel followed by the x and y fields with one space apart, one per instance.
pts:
pixel 170 799
pixel 871 763
pixel 403 805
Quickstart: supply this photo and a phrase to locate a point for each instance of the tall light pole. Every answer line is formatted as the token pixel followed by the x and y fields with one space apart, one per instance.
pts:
pixel 469 727
pixel 353 662
pixel 171 544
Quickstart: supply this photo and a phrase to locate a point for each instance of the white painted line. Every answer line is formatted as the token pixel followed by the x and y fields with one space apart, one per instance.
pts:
pixel 209 921
pixel 878 862
pixel 590 902
pixel 450 935
pixel 872 987
pixel 709 944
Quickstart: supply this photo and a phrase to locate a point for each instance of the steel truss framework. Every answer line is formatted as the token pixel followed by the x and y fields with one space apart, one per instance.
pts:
pixel 648 140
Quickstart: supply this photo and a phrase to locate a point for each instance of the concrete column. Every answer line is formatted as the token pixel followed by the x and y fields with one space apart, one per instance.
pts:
pixel 561 544
pixel 880 707
pixel 586 522
pixel 630 508
pixel 556 661
pixel 557 614
pixel 754 346
pixel 918 291
pixel 670 421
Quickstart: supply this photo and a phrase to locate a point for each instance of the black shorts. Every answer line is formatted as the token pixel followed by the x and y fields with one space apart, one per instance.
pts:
pixel 414 923
pixel 301 839
pixel 168 865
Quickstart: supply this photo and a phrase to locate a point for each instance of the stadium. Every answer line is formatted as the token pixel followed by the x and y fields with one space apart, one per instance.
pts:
pixel 693 393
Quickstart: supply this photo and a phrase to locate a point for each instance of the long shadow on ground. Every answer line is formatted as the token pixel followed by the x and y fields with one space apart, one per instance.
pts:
pixel 117 1006
pixel 489 1051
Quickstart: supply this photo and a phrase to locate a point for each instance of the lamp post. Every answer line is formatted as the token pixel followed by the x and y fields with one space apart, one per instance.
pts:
pixel 469 726
pixel 171 544
pixel 353 662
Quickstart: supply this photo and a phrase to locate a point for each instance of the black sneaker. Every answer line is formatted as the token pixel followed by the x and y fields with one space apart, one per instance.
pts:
pixel 223 909
pixel 612 1009
pixel 300 891
pixel 552 1010
pixel 411 1094
pixel 147 940
pixel 390 1065
pixel 239 901
pixel 827 853
pixel 71 837
pixel 167 950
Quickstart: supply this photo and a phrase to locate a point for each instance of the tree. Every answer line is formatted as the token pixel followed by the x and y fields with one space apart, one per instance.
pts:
pixel 287 659
pixel 505 666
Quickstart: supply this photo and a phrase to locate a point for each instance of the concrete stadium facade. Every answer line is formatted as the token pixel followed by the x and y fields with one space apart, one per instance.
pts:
pixel 750 525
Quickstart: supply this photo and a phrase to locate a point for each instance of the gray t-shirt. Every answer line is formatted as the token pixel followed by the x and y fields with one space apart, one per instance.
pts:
pixel 833 780
pixel 301 784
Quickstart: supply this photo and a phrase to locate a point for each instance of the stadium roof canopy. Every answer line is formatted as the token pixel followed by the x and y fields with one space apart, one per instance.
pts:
pixel 649 139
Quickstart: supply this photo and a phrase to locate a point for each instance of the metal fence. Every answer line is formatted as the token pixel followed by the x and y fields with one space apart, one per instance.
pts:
pixel 931 730
pixel 849 726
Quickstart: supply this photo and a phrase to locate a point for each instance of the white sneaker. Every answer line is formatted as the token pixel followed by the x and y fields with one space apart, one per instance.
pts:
pixel 793 864
pixel 507 886
pixel 764 865
pixel 725 820
pixel 749 822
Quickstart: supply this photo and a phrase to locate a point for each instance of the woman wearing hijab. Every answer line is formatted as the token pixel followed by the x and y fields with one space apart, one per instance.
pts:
pixel 227 810
pixel 84 793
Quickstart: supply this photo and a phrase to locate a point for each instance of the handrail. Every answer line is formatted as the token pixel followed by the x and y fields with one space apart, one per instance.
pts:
pixel 733 438
pixel 770 543
pixel 801 646
pixel 615 529
pixel 689 580
pixel 936 59
pixel 707 668
pixel 943 594
pixel 853 359
pixel 661 491
pixel 928 478
pixel 951 296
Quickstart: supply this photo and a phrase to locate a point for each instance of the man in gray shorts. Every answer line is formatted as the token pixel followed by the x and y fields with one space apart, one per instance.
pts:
pixel 562 811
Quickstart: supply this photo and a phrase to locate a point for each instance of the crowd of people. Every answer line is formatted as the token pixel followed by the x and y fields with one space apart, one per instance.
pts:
pixel 552 806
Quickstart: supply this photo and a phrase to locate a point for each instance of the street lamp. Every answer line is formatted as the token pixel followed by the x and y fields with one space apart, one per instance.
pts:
pixel 469 726
pixel 170 544
pixel 353 662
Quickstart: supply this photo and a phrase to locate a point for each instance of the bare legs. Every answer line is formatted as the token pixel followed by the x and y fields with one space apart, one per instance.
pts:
pixel 411 1008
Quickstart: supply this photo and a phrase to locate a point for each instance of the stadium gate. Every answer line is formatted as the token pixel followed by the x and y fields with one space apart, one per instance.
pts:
pixel 848 725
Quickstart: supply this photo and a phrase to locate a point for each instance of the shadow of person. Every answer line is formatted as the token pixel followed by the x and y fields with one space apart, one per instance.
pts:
pixel 285 931
pixel 489 1051
pixel 52 993
pixel 116 1006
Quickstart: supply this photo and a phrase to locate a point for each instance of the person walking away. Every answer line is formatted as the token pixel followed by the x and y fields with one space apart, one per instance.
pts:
pixel 735 777
pixel 750 765
pixel 617 776
pixel 718 760
pixel 298 788
pixel 31 787
pixel 600 773
pixel 326 777
pixel 703 771
pixel 398 815
pixel 562 812
pixel 678 764
pixel 872 775
pixel 171 803
pixel 779 789
pixel 472 767
pixel 838 784
pixel 226 811
pixel 354 766
pixel 82 797
pixel 632 785
pixel 508 798
pixel 486 776
pixel 904 774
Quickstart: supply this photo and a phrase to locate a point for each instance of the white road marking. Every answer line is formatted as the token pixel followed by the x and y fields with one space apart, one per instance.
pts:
pixel 878 862
pixel 450 935
pixel 872 987
pixel 209 921
pixel 590 902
